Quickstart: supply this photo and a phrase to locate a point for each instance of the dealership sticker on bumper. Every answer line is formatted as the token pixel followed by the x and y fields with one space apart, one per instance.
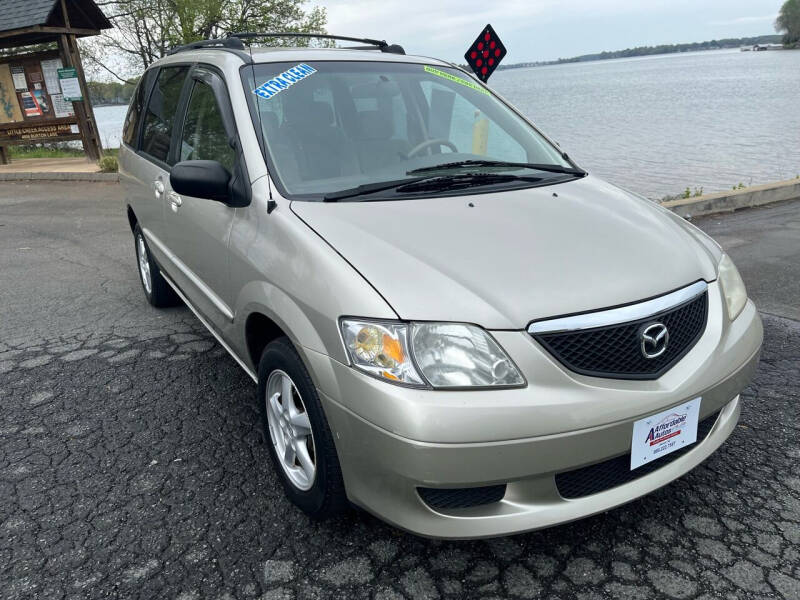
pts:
pixel 658 435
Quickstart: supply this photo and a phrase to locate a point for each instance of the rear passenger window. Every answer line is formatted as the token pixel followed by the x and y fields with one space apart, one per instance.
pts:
pixel 134 116
pixel 204 136
pixel 159 118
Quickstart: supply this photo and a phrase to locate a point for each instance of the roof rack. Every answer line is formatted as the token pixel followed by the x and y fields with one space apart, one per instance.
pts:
pixel 228 43
pixel 381 45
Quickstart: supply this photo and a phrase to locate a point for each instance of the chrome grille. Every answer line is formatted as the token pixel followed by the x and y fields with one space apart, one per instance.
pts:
pixel 614 349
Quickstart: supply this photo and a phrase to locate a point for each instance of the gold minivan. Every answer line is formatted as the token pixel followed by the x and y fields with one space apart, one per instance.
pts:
pixel 450 323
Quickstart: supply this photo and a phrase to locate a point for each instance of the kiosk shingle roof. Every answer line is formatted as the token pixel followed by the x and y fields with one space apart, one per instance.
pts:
pixel 17 14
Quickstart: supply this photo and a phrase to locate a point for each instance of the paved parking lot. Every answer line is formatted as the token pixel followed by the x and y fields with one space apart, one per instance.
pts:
pixel 131 463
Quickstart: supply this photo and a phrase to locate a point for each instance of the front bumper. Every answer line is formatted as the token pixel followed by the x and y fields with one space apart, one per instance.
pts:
pixel 382 474
pixel 392 440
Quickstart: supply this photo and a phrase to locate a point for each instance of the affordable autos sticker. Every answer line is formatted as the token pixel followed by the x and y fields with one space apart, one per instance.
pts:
pixel 665 432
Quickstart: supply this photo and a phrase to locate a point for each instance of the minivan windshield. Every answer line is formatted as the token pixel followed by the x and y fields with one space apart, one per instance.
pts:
pixel 331 127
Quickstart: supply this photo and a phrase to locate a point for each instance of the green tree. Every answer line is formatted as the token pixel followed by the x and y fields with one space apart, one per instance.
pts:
pixel 789 21
pixel 145 30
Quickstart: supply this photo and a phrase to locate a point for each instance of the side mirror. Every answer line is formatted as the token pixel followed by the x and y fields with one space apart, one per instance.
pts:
pixel 201 179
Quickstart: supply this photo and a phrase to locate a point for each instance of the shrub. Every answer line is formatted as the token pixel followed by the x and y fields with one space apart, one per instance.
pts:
pixel 109 164
pixel 687 193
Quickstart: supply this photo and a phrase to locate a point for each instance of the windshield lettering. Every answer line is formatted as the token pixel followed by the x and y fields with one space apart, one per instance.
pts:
pixel 449 77
pixel 286 79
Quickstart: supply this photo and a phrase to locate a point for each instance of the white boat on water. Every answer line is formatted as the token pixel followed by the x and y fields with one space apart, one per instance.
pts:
pixel 761 47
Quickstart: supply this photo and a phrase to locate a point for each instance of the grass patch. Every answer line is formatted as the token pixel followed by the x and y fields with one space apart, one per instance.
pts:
pixel 38 152
pixel 52 152
pixel 107 163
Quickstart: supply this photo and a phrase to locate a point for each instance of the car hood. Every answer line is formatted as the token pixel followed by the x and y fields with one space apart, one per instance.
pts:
pixel 503 259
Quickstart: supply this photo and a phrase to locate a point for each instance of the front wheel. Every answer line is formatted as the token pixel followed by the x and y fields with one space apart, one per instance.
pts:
pixel 156 289
pixel 297 433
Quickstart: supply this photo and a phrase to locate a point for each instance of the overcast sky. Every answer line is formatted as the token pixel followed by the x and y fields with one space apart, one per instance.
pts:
pixel 548 29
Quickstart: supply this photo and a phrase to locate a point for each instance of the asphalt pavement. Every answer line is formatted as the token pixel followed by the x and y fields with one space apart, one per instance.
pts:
pixel 132 463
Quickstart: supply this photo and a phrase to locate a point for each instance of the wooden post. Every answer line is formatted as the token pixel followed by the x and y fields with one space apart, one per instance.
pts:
pixel 71 57
pixel 4 159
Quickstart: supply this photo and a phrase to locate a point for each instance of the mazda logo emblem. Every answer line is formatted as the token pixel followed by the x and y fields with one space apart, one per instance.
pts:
pixel 654 340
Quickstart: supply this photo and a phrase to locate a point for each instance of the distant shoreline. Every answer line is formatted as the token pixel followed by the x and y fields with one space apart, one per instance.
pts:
pixel 653 51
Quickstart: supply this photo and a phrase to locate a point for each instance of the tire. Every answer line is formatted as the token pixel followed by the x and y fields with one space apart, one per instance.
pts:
pixel 321 495
pixel 157 291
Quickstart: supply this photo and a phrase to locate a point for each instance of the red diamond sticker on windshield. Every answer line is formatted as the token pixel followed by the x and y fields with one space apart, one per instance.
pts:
pixel 485 53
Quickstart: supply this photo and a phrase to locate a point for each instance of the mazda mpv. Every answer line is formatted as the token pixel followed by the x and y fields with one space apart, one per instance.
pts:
pixel 451 324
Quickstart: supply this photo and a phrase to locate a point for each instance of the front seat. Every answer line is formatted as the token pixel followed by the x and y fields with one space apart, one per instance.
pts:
pixel 376 148
pixel 320 148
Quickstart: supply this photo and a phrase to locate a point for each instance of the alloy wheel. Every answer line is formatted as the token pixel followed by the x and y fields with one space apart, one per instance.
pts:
pixel 144 264
pixel 290 430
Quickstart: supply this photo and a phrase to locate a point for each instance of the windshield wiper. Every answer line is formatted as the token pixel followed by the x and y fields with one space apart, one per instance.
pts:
pixel 456 181
pixel 428 183
pixel 369 188
pixel 499 163
pixel 465 178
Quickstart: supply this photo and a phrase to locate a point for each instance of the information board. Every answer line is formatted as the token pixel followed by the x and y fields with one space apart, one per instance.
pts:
pixel 36 95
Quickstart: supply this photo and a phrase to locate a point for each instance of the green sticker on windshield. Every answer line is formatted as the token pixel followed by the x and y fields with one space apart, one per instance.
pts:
pixel 459 80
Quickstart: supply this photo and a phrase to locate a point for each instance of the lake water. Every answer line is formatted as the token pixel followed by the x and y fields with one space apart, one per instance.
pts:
pixel 654 124
pixel 109 124
pixel 658 124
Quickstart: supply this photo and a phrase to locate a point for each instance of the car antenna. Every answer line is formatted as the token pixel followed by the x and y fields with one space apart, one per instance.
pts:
pixel 271 204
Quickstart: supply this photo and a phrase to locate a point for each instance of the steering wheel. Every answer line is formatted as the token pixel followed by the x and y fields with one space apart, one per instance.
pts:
pixel 428 143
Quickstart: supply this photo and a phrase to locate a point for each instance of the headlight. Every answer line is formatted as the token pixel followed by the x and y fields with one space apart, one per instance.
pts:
pixel 458 355
pixel 445 355
pixel 380 349
pixel 732 287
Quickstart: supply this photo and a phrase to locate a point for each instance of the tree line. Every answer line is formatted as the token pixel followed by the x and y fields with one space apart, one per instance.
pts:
pixel 660 49
pixel 111 92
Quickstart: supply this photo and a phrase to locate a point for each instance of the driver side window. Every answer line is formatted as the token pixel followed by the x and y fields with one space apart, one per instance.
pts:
pixel 451 116
pixel 204 136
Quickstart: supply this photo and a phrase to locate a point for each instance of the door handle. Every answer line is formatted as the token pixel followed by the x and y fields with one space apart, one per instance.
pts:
pixel 158 189
pixel 175 201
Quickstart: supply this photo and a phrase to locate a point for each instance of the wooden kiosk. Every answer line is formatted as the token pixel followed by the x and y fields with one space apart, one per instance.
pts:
pixel 43 95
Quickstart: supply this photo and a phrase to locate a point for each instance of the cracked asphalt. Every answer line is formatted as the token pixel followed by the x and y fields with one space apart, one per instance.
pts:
pixel 132 464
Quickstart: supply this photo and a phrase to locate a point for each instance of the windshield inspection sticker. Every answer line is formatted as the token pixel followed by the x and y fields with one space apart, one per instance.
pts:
pixel 658 435
pixel 455 79
pixel 283 81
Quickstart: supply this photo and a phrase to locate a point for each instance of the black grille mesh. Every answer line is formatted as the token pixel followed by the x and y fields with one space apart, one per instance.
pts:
pixel 462 497
pixel 615 351
pixel 617 471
